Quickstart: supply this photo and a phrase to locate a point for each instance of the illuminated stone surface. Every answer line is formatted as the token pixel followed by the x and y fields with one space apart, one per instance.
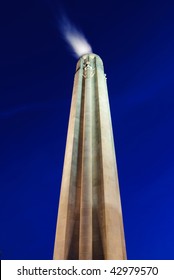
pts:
pixel 89 225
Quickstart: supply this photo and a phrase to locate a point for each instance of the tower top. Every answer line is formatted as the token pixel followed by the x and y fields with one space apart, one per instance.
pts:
pixel 89 58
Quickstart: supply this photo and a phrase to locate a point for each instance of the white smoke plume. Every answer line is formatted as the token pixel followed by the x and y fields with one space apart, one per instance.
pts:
pixel 74 37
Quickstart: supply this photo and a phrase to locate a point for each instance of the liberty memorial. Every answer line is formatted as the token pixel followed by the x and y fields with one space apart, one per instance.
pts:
pixel 90 224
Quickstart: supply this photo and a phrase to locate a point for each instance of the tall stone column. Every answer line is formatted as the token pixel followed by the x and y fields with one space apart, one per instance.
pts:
pixel 90 225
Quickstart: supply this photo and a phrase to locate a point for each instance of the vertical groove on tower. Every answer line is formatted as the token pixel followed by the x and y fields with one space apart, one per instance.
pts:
pixel 101 205
pixel 96 153
pixel 85 242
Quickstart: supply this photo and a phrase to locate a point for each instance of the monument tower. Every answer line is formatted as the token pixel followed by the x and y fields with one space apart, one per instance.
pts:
pixel 89 225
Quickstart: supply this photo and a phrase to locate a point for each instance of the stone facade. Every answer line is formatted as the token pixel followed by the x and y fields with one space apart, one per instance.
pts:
pixel 89 225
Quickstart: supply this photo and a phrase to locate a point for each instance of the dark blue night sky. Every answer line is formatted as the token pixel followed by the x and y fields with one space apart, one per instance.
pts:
pixel 135 40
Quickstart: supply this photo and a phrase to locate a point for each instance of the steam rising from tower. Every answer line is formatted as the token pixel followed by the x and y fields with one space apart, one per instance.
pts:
pixel 75 38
